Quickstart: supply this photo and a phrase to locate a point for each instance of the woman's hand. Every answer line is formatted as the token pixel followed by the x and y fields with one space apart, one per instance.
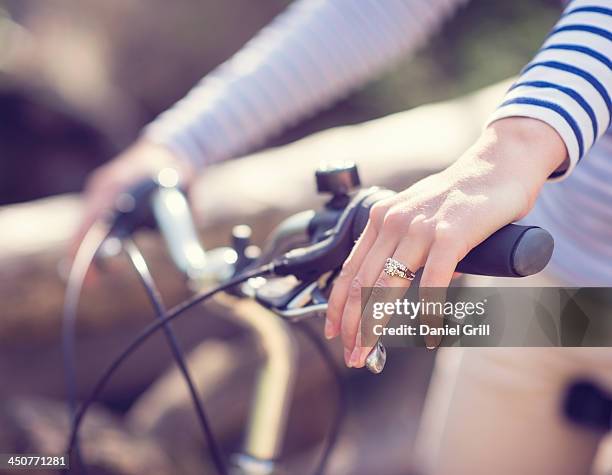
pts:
pixel 437 221
pixel 141 160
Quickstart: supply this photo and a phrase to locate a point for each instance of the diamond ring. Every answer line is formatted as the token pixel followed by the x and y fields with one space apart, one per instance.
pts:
pixel 394 268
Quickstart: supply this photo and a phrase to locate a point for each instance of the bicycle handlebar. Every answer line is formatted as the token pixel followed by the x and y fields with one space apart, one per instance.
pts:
pixel 174 220
pixel 310 245
pixel 512 251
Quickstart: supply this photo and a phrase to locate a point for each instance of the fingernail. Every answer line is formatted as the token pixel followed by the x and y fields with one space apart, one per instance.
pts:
pixel 355 357
pixel 347 357
pixel 432 342
pixel 329 330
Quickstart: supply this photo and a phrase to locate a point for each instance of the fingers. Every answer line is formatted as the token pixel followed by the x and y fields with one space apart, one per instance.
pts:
pixel 440 265
pixel 340 291
pixel 96 204
pixel 437 275
pixel 140 161
pixel 366 276
pixel 416 245
pixel 412 252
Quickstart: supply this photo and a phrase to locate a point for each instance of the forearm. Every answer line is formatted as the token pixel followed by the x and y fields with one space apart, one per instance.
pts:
pixel 307 58
pixel 568 83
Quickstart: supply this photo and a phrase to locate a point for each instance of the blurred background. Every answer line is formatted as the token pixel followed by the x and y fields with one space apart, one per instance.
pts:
pixel 78 80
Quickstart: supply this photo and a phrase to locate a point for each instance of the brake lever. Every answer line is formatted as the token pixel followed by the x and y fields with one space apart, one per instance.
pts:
pixel 307 263
pixel 308 300
pixel 376 359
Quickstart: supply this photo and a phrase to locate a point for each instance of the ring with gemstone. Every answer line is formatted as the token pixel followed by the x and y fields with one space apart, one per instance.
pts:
pixel 394 268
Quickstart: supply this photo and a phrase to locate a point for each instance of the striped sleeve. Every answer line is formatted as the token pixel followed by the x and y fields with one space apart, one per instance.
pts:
pixel 569 82
pixel 313 54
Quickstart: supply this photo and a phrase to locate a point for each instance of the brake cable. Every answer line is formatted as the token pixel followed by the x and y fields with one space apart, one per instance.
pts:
pixel 163 318
pixel 122 225
pixel 163 322
pixel 342 397
pixel 86 252
pixel 147 332
pixel 140 266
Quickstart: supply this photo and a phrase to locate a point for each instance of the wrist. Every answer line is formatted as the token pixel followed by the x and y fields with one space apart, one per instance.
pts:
pixel 512 159
pixel 523 150
pixel 530 144
pixel 145 154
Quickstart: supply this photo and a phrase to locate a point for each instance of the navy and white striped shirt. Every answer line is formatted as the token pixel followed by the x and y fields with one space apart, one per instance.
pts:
pixel 569 82
pixel 320 50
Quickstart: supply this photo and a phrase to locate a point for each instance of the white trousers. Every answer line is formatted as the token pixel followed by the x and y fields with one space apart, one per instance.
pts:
pixel 498 411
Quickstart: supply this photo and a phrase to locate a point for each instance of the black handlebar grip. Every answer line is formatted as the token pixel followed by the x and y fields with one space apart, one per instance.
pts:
pixel 512 251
